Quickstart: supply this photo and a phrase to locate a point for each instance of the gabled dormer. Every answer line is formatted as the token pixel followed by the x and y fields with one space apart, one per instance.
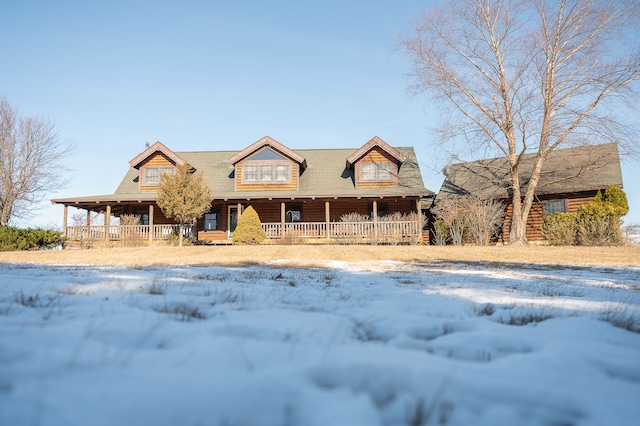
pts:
pixel 267 165
pixel 376 165
pixel 152 163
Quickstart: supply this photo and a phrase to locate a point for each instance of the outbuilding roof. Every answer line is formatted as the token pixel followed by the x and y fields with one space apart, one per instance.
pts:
pixel 585 168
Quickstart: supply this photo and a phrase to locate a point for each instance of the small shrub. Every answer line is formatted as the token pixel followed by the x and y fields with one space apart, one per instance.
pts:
pixel 249 229
pixel 484 218
pixel 129 235
pixel 173 239
pixel 560 229
pixel 351 230
pixel 440 232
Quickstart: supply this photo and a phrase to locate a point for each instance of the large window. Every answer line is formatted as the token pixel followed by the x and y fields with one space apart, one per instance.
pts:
pixel 211 221
pixel 267 173
pixel 380 172
pixel 554 206
pixel 152 174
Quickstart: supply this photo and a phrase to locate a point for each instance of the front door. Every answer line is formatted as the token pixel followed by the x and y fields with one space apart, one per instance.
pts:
pixel 233 219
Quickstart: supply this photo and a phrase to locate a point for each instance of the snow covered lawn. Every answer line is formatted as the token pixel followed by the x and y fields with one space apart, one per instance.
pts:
pixel 381 343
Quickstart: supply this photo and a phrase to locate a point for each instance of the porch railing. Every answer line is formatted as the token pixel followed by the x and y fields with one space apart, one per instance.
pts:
pixel 120 232
pixel 348 232
pixel 370 231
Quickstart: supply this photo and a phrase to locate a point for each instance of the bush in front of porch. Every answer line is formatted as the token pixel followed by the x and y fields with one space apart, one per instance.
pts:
pixel 249 229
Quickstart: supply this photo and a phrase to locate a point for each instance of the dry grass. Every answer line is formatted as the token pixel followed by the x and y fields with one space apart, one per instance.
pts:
pixel 309 255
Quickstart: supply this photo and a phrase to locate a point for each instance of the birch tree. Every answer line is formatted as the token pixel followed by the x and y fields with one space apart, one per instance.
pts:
pixel 30 161
pixel 528 76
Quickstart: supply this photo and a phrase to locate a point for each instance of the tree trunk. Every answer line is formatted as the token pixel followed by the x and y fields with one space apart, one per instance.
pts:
pixel 5 215
pixel 518 231
pixel 181 237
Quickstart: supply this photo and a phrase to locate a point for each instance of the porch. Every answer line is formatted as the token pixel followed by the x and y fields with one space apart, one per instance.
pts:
pixel 372 232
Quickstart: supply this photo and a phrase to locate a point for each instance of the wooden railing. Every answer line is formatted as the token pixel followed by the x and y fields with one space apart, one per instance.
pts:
pixel 348 232
pixel 121 232
pixel 344 232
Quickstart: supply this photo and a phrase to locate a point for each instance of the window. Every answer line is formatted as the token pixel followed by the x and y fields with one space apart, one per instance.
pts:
pixel 554 206
pixel 211 221
pixel 267 173
pixel 293 213
pixel 383 209
pixel 377 171
pixel 143 218
pixel 152 174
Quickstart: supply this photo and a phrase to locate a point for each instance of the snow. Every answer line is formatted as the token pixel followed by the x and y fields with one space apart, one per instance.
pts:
pixel 384 343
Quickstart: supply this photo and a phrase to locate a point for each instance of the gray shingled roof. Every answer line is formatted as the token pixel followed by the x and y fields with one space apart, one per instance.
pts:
pixel 579 169
pixel 325 176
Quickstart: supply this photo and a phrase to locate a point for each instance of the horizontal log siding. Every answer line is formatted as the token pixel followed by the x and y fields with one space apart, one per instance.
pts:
pixel 156 160
pixel 377 155
pixel 536 215
pixel 268 211
pixel 271 186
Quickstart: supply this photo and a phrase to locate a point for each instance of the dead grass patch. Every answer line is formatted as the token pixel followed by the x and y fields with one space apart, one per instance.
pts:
pixel 312 255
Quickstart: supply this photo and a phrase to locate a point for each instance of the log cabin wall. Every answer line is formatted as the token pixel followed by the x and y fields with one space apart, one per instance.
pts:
pixel 536 215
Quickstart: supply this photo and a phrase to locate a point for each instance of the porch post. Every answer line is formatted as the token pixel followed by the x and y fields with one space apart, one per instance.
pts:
pixel 375 218
pixel 150 222
pixel 107 222
pixel 64 220
pixel 327 218
pixel 88 222
pixel 283 218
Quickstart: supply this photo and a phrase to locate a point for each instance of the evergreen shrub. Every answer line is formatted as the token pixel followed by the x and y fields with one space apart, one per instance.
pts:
pixel 28 239
pixel 249 229
pixel 560 229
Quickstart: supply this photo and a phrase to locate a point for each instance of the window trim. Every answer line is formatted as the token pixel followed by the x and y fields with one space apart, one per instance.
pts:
pixel 266 172
pixel 161 170
pixel 215 213
pixel 380 169
pixel 548 211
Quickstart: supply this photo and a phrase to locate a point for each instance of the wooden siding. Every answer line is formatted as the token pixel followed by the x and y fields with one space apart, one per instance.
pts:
pixel 156 160
pixel 536 215
pixel 268 186
pixel 376 155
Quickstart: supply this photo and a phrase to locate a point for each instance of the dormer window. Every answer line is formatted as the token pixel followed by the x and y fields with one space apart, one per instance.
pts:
pixel 152 175
pixel 377 172
pixel 267 173
pixel 266 166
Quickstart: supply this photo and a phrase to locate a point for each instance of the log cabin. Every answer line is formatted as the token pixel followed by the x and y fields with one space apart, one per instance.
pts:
pixel 301 193
pixel 569 178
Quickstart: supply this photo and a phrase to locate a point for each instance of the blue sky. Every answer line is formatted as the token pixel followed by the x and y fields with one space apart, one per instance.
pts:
pixel 208 75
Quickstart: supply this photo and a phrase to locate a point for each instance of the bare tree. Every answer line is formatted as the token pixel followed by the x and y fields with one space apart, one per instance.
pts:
pixel 30 161
pixel 529 76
